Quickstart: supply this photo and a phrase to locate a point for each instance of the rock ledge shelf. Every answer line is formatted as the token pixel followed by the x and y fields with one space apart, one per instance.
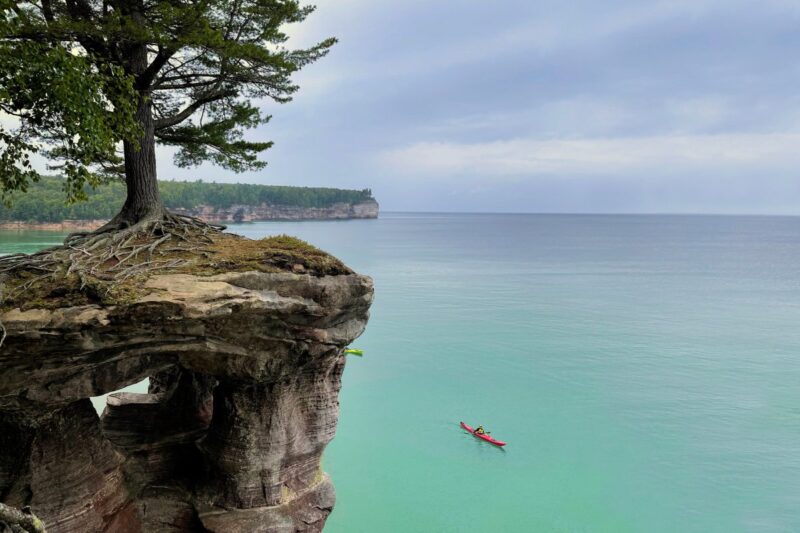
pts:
pixel 245 358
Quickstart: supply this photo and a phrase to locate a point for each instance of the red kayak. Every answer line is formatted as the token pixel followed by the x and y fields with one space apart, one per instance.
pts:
pixel 483 436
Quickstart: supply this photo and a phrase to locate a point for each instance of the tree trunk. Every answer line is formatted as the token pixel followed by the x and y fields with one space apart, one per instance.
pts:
pixel 144 200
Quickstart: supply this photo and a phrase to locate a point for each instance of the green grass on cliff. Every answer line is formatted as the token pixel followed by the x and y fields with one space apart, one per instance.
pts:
pixel 31 289
pixel 281 253
pixel 44 201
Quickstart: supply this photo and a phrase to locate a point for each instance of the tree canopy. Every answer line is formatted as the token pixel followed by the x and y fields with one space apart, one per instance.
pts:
pixel 92 84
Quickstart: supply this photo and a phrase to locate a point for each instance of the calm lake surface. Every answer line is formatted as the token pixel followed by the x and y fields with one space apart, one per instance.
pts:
pixel 645 371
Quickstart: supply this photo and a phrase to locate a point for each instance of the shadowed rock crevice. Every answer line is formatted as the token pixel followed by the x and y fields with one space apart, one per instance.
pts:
pixel 245 369
pixel 67 470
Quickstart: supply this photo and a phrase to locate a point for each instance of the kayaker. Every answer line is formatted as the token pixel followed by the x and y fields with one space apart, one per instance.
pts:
pixel 480 431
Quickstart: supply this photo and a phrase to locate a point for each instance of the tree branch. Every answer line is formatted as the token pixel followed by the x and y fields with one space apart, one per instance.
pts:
pixel 145 79
pixel 190 81
pixel 81 11
pixel 47 11
pixel 179 117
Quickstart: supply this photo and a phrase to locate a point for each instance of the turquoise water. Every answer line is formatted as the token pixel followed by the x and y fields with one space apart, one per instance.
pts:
pixel 14 242
pixel 645 371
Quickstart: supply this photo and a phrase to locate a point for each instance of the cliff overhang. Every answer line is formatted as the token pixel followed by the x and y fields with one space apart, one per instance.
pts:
pixel 243 343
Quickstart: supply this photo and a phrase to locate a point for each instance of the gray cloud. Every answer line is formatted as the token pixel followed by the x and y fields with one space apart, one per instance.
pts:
pixel 668 106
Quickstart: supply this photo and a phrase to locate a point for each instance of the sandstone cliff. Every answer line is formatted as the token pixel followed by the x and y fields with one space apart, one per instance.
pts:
pixel 243 343
pixel 234 213
pixel 252 213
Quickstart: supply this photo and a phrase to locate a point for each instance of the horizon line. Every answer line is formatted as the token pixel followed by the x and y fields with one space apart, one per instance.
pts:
pixel 588 213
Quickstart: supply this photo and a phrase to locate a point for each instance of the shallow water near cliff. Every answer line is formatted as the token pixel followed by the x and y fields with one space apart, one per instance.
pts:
pixel 645 371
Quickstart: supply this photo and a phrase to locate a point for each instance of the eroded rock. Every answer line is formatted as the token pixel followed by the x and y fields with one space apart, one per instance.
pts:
pixel 245 371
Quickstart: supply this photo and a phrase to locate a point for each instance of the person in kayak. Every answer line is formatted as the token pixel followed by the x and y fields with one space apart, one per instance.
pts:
pixel 480 431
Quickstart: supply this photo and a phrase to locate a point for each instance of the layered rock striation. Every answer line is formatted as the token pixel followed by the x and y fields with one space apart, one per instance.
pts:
pixel 253 213
pixel 244 351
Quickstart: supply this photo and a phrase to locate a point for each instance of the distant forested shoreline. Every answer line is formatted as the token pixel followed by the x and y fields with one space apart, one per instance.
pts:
pixel 44 201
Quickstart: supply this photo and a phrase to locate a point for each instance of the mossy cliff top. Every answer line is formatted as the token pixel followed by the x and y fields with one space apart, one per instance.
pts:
pixel 114 270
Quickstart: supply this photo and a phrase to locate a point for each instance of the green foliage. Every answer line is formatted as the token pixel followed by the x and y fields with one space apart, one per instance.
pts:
pixel 43 201
pixel 63 107
pixel 219 139
pixel 82 76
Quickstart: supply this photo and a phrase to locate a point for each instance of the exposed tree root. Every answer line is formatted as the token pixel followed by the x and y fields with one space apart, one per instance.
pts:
pixel 110 255
pixel 119 229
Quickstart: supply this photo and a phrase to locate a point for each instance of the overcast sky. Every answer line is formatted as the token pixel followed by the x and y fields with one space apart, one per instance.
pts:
pixel 545 106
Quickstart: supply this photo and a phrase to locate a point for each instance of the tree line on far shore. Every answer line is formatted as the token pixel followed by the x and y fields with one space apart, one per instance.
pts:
pixel 44 200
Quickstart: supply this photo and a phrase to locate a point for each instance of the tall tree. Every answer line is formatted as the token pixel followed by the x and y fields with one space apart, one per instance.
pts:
pixel 95 84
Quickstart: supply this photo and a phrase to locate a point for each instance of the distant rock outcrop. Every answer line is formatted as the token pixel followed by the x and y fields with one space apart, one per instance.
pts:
pixel 245 369
pixel 253 213
pixel 233 214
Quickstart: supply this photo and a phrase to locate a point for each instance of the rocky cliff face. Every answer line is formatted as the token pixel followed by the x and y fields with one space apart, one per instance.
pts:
pixel 235 213
pixel 252 213
pixel 245 369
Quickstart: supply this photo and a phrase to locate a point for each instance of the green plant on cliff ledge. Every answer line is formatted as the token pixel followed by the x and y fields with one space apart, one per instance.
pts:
pixel 20 521
pixel 81 77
